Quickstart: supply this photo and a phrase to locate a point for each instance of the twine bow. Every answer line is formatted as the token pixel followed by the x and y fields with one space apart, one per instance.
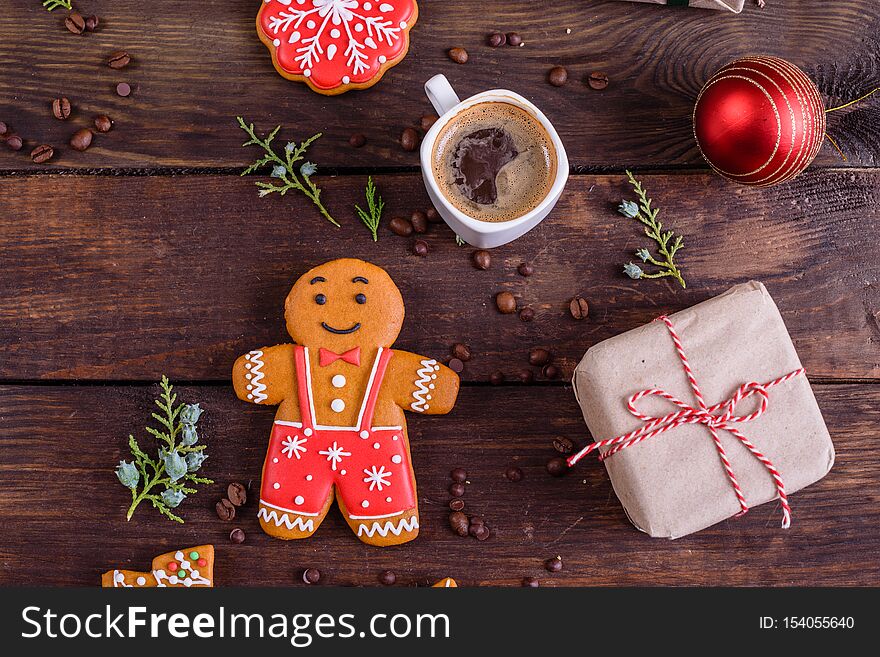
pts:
pixel 720 417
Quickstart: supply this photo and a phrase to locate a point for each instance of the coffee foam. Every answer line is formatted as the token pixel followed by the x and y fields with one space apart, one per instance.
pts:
pixel 522 183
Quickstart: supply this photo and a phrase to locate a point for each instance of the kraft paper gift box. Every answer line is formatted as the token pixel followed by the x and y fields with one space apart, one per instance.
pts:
pixel 675 483
pixel 729 5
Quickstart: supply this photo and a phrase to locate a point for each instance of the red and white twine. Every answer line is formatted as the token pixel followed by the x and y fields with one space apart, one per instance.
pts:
pixel 719 417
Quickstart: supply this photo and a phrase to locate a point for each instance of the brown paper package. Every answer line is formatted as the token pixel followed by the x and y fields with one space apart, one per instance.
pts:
pixel 728 5
pixel 674 484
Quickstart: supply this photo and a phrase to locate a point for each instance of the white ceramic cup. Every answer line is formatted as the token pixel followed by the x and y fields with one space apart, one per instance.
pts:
pixel 485 234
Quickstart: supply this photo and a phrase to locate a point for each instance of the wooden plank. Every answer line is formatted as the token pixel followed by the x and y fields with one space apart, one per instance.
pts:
pixel 127 278
pixel 63 510
pixel 196 69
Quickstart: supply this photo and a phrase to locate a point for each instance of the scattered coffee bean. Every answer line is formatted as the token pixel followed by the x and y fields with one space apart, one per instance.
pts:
pixel 456 504
pixel 525 269
pixel 61 108
pixel 497 378
pixel 123 89
pixel 42 154
pixel 497 39
pixel 433 216
pixel 530 582
pixel 506 303
pixel 456 489
pixel 459 475
pixel 119 59
pixel 514 39
pixel 236 493
pixel 357 140
pixel 557 76
pixel 75 23
pixel 3 128
pixel 550 371
pixel 427 121
pixel 81 139
pixel 14 142
pixel 456 365
pixel 92 23
pixel 400 226
pixel 458 522
pixel 557 466
pixel 461 351
pixel 237 536
pixel 540 356
pixel 225 510
pixel 579 308
pixel 482 260
pixel 563 445
pixel 514 474
pixel 597 80
pixel 409 139
pixel 419 221
pixel 527 314
pixel 477 520
pixel 387 578
pixel 553 565
pixel 458 55
pixel 526 376
pixel 311 576
pixel 420 248
pixel 480 532
pixel 103 123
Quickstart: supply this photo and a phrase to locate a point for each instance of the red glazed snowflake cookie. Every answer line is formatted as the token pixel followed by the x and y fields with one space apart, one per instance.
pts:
pixel 336 45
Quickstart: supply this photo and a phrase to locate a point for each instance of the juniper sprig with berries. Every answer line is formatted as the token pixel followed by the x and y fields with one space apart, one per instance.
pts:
pixel 179 457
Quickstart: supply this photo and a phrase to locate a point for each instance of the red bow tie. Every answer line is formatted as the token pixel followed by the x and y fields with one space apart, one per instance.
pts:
pixel 353 356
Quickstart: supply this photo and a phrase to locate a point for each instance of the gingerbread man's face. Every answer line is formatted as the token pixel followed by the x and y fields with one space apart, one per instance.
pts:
pixel 344 303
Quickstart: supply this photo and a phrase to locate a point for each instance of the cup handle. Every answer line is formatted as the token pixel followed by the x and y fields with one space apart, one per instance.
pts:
pixel 441 94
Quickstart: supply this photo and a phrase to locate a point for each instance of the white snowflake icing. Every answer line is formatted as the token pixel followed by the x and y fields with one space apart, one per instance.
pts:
pixel 377 478
pixel 293 446
pixel 334 454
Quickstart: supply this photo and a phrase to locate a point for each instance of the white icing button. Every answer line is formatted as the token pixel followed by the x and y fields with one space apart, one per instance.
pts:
pixel 310 25
pixel 387 499
pixel 141 581
pixel 249 386
pixel 337 405
pixel 365 504
pixel 338 381
pixel 436 368
pixel 276 485
pixel 396 458
pixel 430 386
pixel 248 376
pixel 275 460
pixel 335 33
pixel 276 42
pixel 393 437
pixel 299 499
pixel 307 431
pixel 342 472
pixel 309 477
pixel 376 445
pixel 382 59
pixel 178 555
pixel 250 396
pixel 365 434
pixel 345 79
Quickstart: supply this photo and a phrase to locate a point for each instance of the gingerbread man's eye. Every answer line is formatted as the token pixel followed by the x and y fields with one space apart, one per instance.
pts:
pixel 320 299
pixel 361 298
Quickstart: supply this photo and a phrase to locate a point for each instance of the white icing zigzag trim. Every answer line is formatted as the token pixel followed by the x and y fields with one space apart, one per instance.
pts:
pixel 407 524
pixel 256 381
pixel 422 393
pixel 283 518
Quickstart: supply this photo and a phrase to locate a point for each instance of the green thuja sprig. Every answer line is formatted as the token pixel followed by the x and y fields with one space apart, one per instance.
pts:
pixel 285 169
pixel 373 215
pixel 667 247
pixel 52 5
pixel 179 457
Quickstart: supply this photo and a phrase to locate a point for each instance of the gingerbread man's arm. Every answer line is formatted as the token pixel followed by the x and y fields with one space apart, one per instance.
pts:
pixel 421 384
pixel 265 376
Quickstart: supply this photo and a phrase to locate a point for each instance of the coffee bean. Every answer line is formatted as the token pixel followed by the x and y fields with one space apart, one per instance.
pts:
pixel 387 578
pixel 461 351
pixel 123 89
pixel 563 445
pixel 433 216
pixel 311 576
pixel 557 466
pixel 482 260
pixel 550 371
pixel 456 365
pixel 3 128
pixel 513 39
pixel 456 489
pixel 527 314
pixel 237 536
pixel 75 23
pixel 103 123
pixel 526 376
pixel 514 474
pixel 400 226
pixel 419 221
pixel 497 378
pixel 458 522
pixel 553 565
pixel 236 493
pixel 597 80
pixel 456 504
pixel 506 303
pixel 119 59
pixel 539 356
pixel 525 269
pixel 92 23
pixel 579 308
pixel 427 121
pixel 459 475
pixel 14 142
pixel 481 533
pixel 557 76
pixel 530 582
pixel 81 139
pixel 458 55
pixel 497 39
pixel 42 154
pixel 61 108
pixel 477 520
pixel 420 248
pixel 409 139
pixel 225 510
pixel 357 140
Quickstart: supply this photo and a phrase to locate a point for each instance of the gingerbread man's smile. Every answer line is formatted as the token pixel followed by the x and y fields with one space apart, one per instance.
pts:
pixel 337 331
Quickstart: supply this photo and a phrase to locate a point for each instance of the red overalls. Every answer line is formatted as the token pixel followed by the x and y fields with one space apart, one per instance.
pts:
pixel 369 465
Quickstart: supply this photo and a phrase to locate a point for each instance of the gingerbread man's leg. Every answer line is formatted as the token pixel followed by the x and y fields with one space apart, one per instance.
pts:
pixel 393 530
pixel 288 525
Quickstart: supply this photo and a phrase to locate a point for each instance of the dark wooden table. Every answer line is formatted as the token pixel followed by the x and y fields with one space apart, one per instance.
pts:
pixel 148 254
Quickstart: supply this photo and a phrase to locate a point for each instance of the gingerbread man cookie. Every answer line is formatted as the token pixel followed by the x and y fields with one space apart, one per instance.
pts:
pixel 341 391
pixel 181 569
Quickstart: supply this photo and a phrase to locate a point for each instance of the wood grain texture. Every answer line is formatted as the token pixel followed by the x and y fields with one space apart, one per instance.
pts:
pixel 63 511
pixel 126 278
pixel 194 70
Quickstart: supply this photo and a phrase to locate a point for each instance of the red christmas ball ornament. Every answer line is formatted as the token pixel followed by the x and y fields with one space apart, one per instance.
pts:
pixel 759 121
